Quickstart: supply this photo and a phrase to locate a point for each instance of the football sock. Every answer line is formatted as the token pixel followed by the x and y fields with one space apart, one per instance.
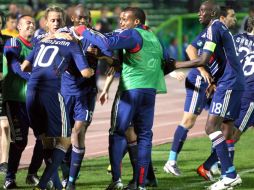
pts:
pixel 133 154
pixel 231 149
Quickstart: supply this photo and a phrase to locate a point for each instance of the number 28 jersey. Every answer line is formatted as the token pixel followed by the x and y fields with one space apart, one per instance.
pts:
pixel 245 49
pixel 50 59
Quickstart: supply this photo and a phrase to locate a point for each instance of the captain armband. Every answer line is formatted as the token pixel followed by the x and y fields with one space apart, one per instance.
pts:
pixel 210 46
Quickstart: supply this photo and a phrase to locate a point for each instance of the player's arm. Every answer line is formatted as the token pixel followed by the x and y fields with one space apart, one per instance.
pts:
pixel 192 53
pixel 12 51
pixel 128 39
pixel 26 66
pixel 104 94
pixel 81 61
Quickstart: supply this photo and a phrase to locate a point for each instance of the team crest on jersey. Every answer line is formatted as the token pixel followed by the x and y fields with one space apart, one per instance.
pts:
pixel 200 43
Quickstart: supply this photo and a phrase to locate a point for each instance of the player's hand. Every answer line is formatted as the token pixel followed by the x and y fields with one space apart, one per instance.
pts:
pixel 87 73
pixel 26 66
pixel 177 75
pixel 80 29
pixel 103 98
pixel 236 134
pixel 93 50
pixel 169 66
pixel 210 90
pixel 206 76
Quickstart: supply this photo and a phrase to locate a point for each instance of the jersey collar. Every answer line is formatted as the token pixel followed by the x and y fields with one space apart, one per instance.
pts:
pixel 26 42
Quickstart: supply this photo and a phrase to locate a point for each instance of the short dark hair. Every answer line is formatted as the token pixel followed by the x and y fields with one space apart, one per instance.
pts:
pixel 23 16
pixel 250 24
pixel 138 13
pixel 224 10
pixel 11 16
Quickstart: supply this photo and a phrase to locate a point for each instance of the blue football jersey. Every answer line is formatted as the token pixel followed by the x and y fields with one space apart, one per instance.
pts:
pixel 72 81
pixel 198 43
pixel 245 49
pixel 224 64
pixel 50 59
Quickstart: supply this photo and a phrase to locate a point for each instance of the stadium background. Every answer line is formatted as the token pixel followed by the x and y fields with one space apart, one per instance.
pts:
pixel 169 19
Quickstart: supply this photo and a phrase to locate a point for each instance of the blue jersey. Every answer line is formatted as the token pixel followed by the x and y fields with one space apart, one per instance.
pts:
pixel 198 43
pixel 50 59
pixel 224 64
pixel 245 48
pixel 72 81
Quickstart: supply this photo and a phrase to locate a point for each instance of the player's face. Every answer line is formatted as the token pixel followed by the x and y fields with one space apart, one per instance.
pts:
pixel 129 21
pixel 81 17
pixel 205 14
pixel 230 19
pixel 54 21
pixel 11 24
pixel 121 19
pixel 26 26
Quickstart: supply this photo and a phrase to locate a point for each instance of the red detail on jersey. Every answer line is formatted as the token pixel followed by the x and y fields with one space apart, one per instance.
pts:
pixel 135 50
pixel 212 58
pixel 26 42
pixel 141 176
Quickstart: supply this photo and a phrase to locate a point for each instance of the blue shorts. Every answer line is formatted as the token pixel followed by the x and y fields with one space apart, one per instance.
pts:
pixel 81 108
pixel 226 104
pixel 195 100
pixel 246 116
pixel 47 113
pixel 133 106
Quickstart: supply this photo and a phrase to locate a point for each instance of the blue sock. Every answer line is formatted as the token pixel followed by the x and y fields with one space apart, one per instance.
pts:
pixel 56 180
pixel 52 166
pixel 220 145
pixel 117 144
pixel 231 149
pixel 179 138
pixel 77 156
pixel 212 159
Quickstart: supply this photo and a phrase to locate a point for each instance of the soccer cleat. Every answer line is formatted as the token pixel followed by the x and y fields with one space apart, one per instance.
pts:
pixel 70 186
pixel 151 182
pixel 10 184
pixel 168 168
pixel 201 171
pixel 132 185
pixel 141 188
pixel 226 183
pixel 215 169
pixel 32 179
pixel 3 167
pixel 115 185
pixel 65 182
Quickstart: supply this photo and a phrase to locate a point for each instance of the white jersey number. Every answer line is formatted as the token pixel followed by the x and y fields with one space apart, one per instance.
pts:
pixel 41 56
pixel 247 61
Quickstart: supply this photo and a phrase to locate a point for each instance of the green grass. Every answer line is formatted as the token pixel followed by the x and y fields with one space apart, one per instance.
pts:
pixel 195 151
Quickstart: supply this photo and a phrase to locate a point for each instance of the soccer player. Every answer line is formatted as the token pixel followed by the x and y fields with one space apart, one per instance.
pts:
pixel 219 54
pixel 14 97
pixel 244 48
pixel 196 84
pixel 142 77
pixel 227 17
pixel 46 108
pixel 80 95
pixel 4 125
